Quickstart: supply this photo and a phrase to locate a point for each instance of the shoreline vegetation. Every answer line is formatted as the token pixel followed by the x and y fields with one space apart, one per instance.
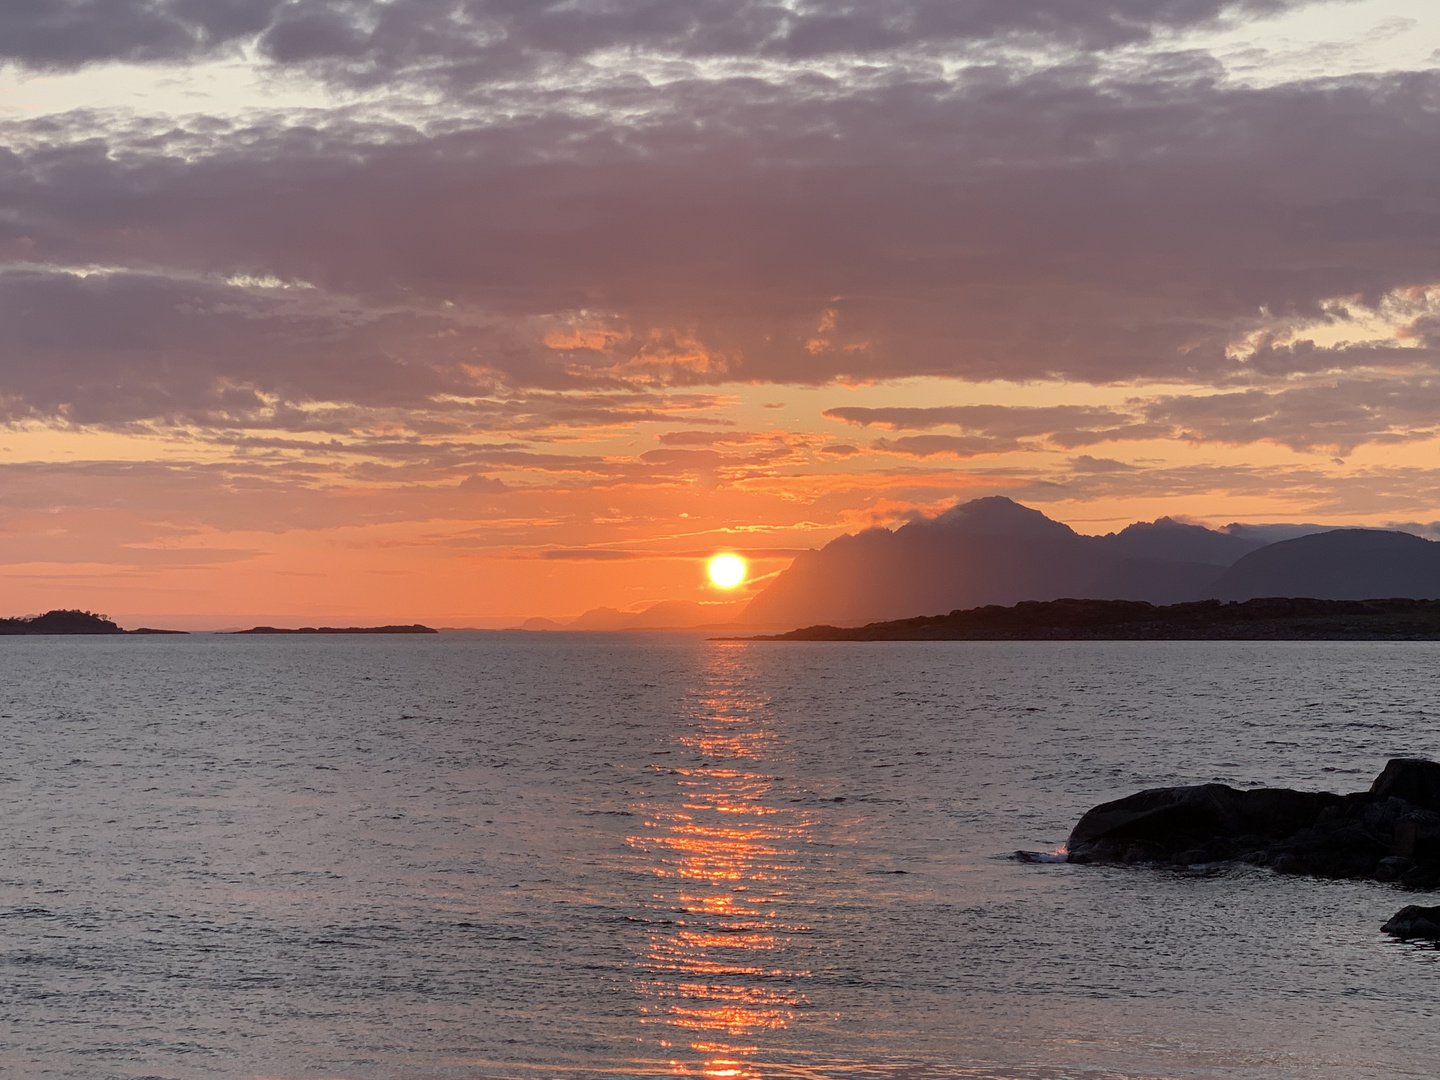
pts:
pixel 1269 619
pixel 73 621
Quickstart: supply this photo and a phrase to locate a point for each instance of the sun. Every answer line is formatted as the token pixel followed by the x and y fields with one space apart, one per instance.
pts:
pixel 727 571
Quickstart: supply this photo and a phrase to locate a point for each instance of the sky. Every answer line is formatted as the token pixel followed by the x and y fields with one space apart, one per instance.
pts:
pixel 464 311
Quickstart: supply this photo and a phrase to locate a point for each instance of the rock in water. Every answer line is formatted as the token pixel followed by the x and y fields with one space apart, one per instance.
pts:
pixel 1212 820
pixel 1415 780
pixel 1414 921
pixel 1389 833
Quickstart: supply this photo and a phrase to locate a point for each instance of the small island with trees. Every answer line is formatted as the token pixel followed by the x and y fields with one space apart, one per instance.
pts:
pixel 69 621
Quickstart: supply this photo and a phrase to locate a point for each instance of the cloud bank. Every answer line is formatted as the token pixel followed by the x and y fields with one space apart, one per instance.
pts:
pixel 1052 218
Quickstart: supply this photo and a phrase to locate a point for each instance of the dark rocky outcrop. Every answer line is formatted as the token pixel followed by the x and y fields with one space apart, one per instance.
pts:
pixel 1389 833
pixel 1413 779
pixel 1414 922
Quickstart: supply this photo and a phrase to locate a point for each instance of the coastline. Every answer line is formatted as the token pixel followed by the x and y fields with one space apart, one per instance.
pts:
pixel 1269 619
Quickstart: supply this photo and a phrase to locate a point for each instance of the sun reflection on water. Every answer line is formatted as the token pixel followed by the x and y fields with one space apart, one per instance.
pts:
pixel 718 971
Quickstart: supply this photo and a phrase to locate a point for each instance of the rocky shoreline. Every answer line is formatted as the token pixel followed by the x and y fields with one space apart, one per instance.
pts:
pixel 1390 833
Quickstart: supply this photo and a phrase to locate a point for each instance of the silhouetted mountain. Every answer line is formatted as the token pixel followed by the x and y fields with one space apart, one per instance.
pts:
pixel 1169 540
pixel 994 551
pixel 990 551
pixel 1274 533
pixel 1156 581
pixel 1343 564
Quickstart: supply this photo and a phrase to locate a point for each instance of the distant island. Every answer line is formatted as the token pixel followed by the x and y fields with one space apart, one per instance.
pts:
pixel 413 628
pixel 75 621
pixel 69 621
pixel 1271 619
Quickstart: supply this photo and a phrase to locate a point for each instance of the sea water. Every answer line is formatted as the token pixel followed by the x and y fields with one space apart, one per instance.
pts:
pixel 566 856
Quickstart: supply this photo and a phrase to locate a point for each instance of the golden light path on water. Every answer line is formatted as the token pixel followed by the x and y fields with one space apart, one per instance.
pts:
pixel 724 866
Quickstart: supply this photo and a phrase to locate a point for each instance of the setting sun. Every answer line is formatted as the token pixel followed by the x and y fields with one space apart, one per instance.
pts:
pixel 727 571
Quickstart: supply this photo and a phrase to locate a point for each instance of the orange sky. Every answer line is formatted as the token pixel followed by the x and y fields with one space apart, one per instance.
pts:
pixel 536 322
pixel 153 528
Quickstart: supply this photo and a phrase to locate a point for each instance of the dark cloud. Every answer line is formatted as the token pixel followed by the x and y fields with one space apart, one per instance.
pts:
pixel 115 348
pixel 1337 416
pixel 69 33
pixel 611 240
pixel 994 428
pixel 498 37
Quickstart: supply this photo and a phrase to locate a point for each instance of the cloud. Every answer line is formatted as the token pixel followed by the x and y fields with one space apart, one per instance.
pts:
pixel 1337 415
pixel 1329 414
pixel 1066 425
pixel 483 485
pixel 962 446
pixel 589 555
pixel 549 223
pixel 694 460
pixel 490 37
pixel 704 438
pixel 1062 222
pixel 68 33
pixel 1020 420
pixel 1084 463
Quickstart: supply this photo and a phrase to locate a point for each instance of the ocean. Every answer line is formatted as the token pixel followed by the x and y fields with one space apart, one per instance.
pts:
pixel 539 856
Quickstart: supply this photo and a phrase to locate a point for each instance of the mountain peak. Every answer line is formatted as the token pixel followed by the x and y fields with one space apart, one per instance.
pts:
pixel 1166 538
pixel 995 515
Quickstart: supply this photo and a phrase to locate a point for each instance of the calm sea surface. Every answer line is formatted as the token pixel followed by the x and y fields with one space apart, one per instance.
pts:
pixel 531 856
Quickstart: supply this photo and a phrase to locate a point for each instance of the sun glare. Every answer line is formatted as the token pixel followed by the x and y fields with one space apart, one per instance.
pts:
pixel 727 571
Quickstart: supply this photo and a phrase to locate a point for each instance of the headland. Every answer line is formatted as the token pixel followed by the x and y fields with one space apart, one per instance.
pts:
pixel 1269 619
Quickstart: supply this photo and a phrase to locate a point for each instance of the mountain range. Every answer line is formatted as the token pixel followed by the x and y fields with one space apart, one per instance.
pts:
pixel 996 551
